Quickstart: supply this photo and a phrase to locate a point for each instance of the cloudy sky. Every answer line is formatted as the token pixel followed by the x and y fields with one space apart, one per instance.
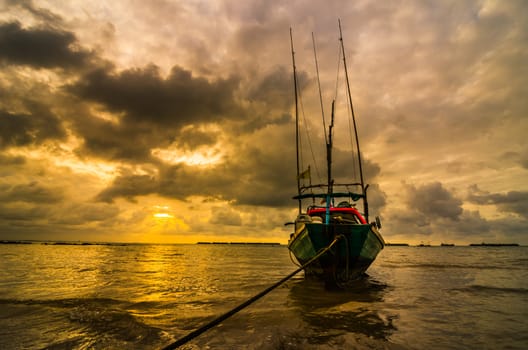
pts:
pixel 173 121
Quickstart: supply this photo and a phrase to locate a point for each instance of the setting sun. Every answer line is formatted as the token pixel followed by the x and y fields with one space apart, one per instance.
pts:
pixel 162 215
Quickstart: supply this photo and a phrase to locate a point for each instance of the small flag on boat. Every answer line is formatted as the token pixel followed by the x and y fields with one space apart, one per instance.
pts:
pixel 305 174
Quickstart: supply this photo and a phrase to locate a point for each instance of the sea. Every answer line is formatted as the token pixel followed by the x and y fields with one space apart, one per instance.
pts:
pixel 141 296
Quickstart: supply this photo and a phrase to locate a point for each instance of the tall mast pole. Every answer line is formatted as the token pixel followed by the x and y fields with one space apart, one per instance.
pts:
pixel 329 166
pixel 363 188
pixel 296 119
pixel 329 146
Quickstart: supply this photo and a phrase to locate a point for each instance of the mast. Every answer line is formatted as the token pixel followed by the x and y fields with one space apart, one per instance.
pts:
pixel 296 120
pixel 363 188
pixel 329 166
pixel 329 152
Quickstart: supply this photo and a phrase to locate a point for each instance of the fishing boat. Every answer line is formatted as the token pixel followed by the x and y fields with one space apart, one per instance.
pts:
pixel 331 219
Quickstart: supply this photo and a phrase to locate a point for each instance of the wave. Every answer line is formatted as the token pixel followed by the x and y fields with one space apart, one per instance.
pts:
pixel 91 322
pixel 478 289
pixel 68 302
pixel 452 266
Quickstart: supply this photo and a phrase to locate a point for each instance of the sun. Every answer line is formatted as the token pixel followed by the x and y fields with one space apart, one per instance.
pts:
pixel 163 215
pixel 164 222
pixel 162 212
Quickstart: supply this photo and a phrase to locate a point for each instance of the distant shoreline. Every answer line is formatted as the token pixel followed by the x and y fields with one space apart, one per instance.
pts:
pixel 7 241
pixel 80 243
pixel 273 244
pixel 242 243
pixel 453 245
pixel 494 245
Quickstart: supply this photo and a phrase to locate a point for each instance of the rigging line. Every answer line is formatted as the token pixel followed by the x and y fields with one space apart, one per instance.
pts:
pixel 363 188
pixel 351 139
pixel 307 130
pixel 299 137
pixel 248 302
pixel 349 119
pixel 298 100
pixel 296 114
pixel 337 74
pixel 319 85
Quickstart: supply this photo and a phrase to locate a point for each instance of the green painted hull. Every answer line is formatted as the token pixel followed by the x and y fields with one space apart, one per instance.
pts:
pixel 348 259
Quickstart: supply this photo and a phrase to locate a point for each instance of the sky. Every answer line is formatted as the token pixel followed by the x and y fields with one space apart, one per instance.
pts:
pixel 173 121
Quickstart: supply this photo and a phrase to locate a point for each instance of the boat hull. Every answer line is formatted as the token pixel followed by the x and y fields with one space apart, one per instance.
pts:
pixel 349 258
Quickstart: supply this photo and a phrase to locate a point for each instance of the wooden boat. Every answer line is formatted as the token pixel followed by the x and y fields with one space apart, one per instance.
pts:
pixel 354 241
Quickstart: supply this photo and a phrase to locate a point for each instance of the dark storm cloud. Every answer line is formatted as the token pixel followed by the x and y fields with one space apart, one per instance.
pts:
pixel 84 213
pixel 265 168
pixel 275 89
pixel 38 12
pixel 345 164
pixel 192 137
pixel 225 216
pixel 377 199
pixel 509 202
pixel 258 176
pixel 13 216
pixel 524 159
pixel 116 141
pixel 30 193
pixel 133 142
pixel 40 47
pixel 434 201
pixel 178 181
pixel 433 210
pixel 152 111
pixel 267 100
pixel 26 129
pixel 469 224
pixel 144 96
pixel 6 160
pixel 181 181
pixel 128 187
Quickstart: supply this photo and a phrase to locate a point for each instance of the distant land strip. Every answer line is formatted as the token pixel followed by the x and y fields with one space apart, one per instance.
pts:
pixel 494 245
pixel 452 245
pixel 62 243
pixel 242 243
pixel 16 241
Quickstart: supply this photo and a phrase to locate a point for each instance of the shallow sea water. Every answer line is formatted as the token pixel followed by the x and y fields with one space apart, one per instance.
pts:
pixel 148 296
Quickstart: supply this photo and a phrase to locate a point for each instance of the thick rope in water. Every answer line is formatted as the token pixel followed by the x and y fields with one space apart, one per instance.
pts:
pixel 248 302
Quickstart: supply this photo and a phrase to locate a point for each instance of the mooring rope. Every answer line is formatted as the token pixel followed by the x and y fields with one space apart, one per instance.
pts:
pixel 248 302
